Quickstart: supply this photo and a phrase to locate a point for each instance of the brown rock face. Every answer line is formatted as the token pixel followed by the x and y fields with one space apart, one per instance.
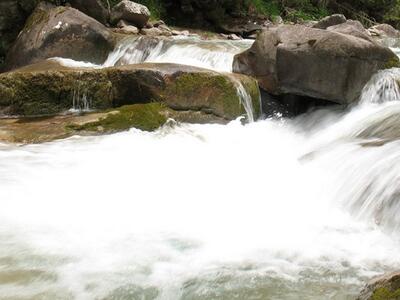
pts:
pixel 60 32
pixel 317 63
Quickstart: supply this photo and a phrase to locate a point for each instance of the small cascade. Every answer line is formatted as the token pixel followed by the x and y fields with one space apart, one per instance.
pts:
pixel 80 99
pixel 383 87
pixel 245 100
pixel 213 55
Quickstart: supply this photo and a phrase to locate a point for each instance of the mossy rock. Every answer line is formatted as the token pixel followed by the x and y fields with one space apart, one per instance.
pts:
pixel 48 88
pixel 393 63
pixel 146 117
pixel 386 294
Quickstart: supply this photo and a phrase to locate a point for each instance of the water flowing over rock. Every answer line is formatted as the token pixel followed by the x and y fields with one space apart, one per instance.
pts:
pixel 311 62
pixel 60 31
pixel 48 88
pixel 214 55
pixel 383 87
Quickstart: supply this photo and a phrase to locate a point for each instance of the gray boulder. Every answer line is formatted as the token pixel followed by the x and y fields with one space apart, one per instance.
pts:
pixel 93 8
pixel 351 27
pixel 132 12
pixel 385 287
pixel 328 21
pixel 311 62
pixel 60 31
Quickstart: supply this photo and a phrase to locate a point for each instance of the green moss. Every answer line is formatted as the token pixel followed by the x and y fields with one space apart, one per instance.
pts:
pixel 213 93
pixel 48 92
pixel 147 117
pixel 394 62
pixel 386 294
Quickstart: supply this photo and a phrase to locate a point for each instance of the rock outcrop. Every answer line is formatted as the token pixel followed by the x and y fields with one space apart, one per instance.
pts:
pixel 386 287
pixel 322 64
pixel 60 32
pixel 48 88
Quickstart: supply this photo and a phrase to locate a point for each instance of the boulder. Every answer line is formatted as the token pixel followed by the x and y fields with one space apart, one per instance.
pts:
pixel 386 287
pixel 60 32
pixel 93 8
pixel 129 29
pixel 48 88
pixel 351 27
pixel 384 31
pixel 329 21
pixel 321 64
pixel 135 13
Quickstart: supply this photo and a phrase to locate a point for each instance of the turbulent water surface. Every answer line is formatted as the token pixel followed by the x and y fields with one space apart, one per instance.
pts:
pixel 277 209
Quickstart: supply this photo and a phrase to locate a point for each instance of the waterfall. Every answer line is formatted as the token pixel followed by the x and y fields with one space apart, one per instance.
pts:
pixel 213 55
pixel 245 99
pixel 80 99
pixel 179 213
pixel 383 87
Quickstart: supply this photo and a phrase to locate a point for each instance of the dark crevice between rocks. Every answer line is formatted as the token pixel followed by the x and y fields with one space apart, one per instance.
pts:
pixel 290 105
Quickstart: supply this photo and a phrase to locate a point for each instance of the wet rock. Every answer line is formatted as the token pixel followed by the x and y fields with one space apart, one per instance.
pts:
pixel 60 32
pixel 48 88
pixel 129 29
pixel 92 8
pixel 177 32
pixel 321 64
pixel 386 287
pixel 135 13
pixel 234 37
pixel 329 21
pixel 155 32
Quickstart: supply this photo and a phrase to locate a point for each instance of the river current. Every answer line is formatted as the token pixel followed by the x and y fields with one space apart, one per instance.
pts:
pixel 301 208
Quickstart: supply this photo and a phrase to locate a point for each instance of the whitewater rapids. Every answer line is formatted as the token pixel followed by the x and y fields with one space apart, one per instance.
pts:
pixel 300 208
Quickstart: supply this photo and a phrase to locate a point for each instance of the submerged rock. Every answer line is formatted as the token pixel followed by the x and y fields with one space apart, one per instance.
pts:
pixel 386 287
pixel 135 13
pixel 60 31
pixel 322 64
pixel 48 88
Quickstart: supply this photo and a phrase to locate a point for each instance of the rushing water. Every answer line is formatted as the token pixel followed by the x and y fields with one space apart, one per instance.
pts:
pixel 277 209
